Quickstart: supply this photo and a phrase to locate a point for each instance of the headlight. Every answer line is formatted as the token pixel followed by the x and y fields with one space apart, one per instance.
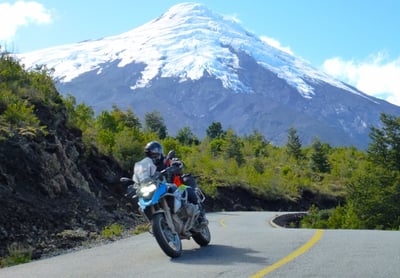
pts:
pixel 148 190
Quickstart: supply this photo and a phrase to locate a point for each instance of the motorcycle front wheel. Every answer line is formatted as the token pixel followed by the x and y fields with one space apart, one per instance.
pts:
pixel 169 242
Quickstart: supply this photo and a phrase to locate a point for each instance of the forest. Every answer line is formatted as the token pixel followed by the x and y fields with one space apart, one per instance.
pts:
pixel 368 181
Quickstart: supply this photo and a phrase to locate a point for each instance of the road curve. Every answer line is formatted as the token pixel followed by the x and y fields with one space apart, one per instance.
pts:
pixel 243 244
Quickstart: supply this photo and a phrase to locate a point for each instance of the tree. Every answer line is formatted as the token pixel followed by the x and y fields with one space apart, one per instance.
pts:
pixel 186 137
pixel 258 143
pixel 319 157
pixel 374 194
pixel 233 147
pixel 125 119
pixel 293 145
pixel 216 147
pixel 106 121
pixel 80 115
pixel 128 147
pixel 384 148
pixel 215 130
pixel 106 140
pixel 154 122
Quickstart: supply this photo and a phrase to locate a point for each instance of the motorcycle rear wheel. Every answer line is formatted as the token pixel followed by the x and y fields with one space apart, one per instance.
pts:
pixel 203 237
pixel 170 243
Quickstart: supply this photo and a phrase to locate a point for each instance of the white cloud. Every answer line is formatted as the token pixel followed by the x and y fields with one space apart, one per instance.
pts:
pixel 21 13
pixel 377 75
pixel 275 43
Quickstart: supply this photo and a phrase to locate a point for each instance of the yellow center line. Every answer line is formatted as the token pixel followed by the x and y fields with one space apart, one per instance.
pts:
pixel 316 237
pixel 222 221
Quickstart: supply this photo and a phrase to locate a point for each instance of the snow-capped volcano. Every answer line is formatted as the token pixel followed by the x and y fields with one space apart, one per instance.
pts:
pixel 186 42
pixel 217 71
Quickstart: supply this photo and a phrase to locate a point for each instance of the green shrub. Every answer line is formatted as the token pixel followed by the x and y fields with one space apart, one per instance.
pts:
pixel 112 231
pixel 141 228
pixel 18 254
pixel 316 219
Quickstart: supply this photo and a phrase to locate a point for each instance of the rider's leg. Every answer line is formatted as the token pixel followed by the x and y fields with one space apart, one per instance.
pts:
pixel 192 198
pixel 190 180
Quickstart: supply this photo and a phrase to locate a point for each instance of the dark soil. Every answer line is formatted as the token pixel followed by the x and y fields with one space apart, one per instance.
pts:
pixel 232 198
pixel 289 220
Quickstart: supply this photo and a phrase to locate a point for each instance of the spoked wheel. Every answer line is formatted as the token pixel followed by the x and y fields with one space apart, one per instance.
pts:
pixel 170 243
pixel 203 236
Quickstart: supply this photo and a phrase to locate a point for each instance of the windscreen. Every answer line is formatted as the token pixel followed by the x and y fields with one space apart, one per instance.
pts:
pixel 143 170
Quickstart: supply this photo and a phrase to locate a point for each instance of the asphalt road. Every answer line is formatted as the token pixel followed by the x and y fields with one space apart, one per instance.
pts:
pixel 243 244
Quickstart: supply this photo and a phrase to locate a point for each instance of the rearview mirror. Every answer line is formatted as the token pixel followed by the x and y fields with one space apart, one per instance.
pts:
pixel 171 154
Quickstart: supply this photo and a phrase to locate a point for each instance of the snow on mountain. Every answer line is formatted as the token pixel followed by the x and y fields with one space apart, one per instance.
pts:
pixel 196 67
pixel 186 42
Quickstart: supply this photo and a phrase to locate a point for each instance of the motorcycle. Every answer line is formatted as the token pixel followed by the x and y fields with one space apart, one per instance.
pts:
pixel 166 207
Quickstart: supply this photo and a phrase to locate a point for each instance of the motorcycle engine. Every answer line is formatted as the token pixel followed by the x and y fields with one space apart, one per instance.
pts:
pixel 191 209
pixel 187 216
pixel 188 210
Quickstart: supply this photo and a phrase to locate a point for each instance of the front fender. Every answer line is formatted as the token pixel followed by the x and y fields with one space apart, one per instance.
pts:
pixel 161 190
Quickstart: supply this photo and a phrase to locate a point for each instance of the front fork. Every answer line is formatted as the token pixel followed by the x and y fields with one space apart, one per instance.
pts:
pixel 162 207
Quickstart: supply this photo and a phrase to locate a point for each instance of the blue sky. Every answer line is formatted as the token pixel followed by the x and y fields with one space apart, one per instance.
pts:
pixel 356 41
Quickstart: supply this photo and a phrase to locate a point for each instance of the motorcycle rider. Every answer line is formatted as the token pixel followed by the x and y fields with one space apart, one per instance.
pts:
pixel 154 151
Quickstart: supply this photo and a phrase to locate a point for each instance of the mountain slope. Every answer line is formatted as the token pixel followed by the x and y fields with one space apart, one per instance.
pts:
pixel 197 67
